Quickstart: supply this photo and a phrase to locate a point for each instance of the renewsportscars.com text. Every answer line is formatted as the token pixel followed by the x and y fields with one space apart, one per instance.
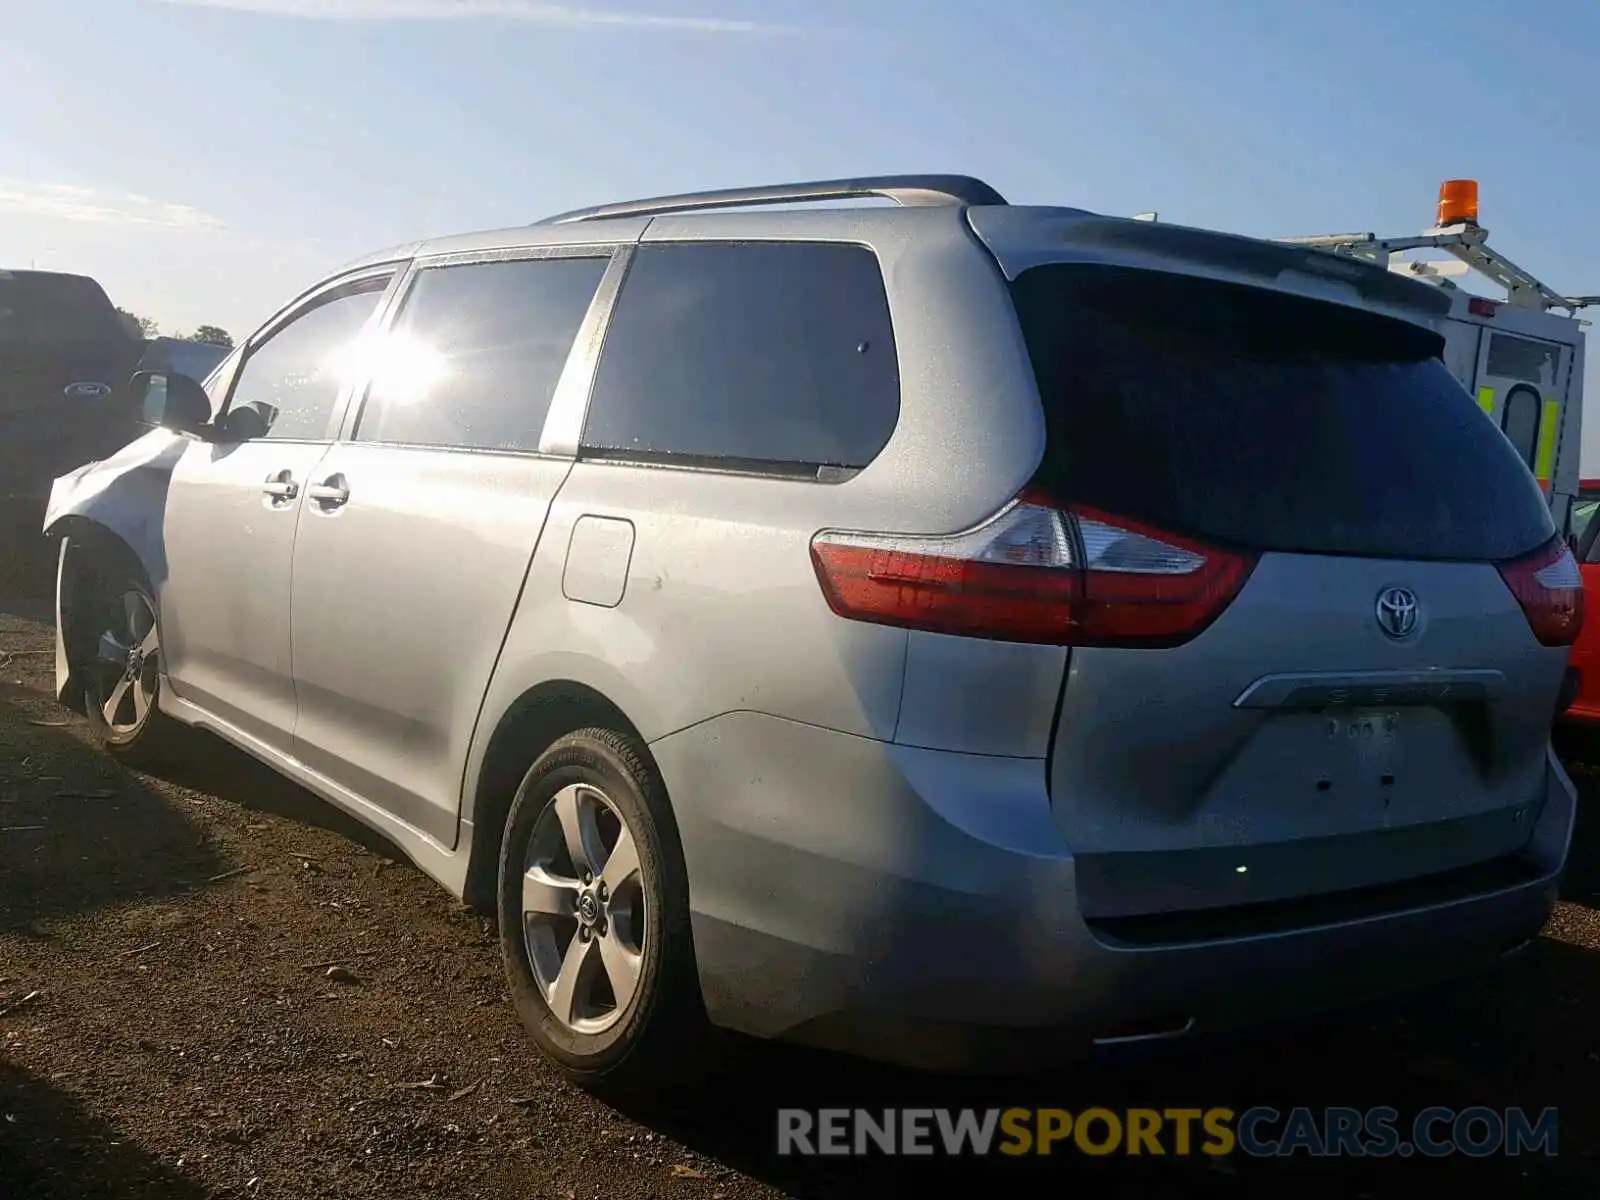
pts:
pixel 1257 1132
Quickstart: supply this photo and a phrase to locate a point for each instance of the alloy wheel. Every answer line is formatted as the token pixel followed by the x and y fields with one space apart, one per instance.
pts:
pixel 584 922
pixel 126 664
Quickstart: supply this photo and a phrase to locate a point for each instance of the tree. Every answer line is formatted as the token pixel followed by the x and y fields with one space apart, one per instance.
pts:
pixel 214 334
pixel 145 326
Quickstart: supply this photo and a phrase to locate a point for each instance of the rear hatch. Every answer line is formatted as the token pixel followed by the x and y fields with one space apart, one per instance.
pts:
pixel 1323 618
pixel 65 358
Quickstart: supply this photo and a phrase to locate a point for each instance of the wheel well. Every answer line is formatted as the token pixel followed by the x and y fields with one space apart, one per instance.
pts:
pixel 540 717
pixel 91 550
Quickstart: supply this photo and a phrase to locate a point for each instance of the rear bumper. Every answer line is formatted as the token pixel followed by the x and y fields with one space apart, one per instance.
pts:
pixel 919 906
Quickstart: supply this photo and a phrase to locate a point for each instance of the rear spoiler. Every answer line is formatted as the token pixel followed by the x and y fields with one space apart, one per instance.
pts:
pixel 1252 256
pixel 1022 237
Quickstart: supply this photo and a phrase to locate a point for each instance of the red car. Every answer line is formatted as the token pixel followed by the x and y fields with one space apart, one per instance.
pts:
pixel 1586 650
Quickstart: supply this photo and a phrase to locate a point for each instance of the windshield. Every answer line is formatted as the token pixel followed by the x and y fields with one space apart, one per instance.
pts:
pixel 1267 420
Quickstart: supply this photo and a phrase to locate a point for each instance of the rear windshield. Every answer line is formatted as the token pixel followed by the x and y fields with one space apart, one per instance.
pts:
pixel 1266 420
pixel 44 311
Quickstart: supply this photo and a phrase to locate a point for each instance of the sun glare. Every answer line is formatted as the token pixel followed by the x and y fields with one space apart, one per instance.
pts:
pixel 403 368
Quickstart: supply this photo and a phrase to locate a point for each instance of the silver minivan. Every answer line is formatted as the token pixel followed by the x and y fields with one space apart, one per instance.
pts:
pixel 948 631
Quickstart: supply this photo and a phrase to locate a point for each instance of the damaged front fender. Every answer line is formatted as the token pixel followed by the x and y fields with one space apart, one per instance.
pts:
pixel 120 499
pixel 125 495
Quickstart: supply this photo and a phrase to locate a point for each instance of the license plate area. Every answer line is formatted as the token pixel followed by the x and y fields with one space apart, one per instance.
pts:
pixel 1364 729
pixel 1363 748
pixel 1344 768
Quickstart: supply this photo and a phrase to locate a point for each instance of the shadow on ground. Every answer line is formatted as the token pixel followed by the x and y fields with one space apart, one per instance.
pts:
pixel 78 833
pixel 208 764
pixel 50 1149
pixel 1581 884
pixel 27 561
pixel 1523 1036
pixel 212 766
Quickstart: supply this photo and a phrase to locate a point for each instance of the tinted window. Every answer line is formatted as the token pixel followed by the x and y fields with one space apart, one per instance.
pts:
pixel 1267 420
pixel 477 352
pixel 756 354
pixel 295 376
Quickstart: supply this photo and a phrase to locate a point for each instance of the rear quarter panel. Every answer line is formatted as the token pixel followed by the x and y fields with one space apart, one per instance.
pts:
pixel 720 608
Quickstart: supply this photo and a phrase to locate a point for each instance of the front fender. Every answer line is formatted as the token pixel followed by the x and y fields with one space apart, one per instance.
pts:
pixel 125 494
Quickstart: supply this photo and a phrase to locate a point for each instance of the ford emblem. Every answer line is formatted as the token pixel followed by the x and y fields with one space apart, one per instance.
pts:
pixel 87 390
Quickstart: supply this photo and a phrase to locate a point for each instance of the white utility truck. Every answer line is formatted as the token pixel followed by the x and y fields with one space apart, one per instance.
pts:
pixel 1521 356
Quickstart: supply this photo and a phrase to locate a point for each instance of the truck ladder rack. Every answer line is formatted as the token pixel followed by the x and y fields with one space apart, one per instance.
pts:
pixel 1468 243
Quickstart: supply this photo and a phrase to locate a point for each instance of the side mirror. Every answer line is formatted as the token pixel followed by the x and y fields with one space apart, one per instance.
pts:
pixel 246 423
pixel 171 400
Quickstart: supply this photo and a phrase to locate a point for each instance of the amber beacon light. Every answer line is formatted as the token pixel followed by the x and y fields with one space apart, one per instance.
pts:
pixel 1458 202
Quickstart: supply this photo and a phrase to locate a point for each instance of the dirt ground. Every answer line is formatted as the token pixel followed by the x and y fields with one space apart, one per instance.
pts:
pixel 168 1028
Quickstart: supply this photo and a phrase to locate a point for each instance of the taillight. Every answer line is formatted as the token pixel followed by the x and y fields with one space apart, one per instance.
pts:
pixel 1549 587
pixel 1035 572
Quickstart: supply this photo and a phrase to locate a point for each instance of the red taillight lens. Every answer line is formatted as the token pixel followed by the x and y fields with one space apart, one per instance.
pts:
pixel 1034 573
pixel 1014 573
pixel 1145 587
pixel 1549 587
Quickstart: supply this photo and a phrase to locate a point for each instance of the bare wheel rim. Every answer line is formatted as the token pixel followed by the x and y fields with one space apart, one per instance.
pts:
pixel 126 663
pixel 583 910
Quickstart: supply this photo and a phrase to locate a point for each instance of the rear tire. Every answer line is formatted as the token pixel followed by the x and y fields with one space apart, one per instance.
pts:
pixel 120 666
pixel 594 918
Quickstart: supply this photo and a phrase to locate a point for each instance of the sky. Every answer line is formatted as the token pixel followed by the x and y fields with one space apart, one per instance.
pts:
pixel 206 159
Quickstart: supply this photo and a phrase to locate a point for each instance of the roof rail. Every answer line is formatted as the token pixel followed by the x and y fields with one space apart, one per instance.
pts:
pixel 902 189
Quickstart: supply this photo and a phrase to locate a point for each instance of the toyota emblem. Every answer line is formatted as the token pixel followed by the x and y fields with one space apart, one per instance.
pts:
pixel 1397 612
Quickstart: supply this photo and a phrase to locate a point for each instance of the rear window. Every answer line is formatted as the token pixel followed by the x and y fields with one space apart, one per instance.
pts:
pixel 1267 421
pixel 44 310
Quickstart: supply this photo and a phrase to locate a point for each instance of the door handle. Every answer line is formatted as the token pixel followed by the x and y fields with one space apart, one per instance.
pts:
pixel 332 492
pixel 281 486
